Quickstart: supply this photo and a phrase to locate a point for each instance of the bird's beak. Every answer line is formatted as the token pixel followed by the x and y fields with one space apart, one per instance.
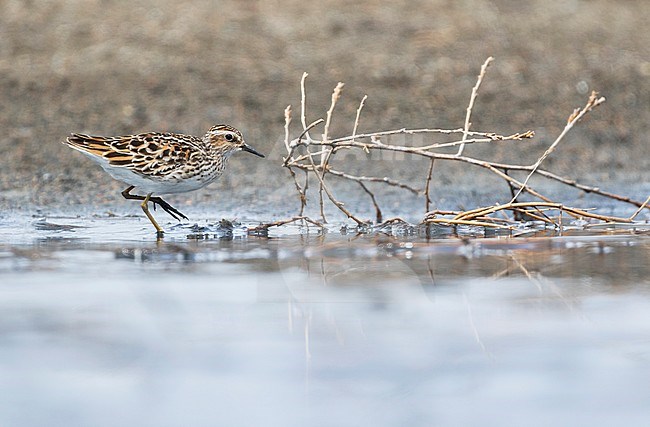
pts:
pixel 251 150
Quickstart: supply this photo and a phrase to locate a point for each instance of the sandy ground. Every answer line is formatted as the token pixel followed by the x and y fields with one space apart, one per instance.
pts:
pixel 109 67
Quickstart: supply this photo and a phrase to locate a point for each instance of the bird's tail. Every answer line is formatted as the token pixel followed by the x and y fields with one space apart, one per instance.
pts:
pixel 95 145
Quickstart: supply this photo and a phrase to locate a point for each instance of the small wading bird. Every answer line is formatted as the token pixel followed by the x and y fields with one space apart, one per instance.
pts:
pixel 162 163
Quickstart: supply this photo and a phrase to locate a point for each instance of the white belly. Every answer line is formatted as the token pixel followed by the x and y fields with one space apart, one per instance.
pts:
pixel 155 185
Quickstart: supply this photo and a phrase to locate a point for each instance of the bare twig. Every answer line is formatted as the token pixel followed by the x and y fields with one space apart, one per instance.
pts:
pixel 472 98
pixel 336 94
pixel 331 197
pixel 266 226
pixel 301 191
pixel 325 156
pixel 316 156
pixel 356 119
pixel 587 188
pixel 487 135
pixel 350 142
pixel 391 221
pixel 577 213
pixel 385 180
pixel 297 143
pixel 427 185
pixel 321 199
pixel 496 168
pixel 378 214
pixel 593 102
pixel 287 122
pixel 303 105
pixel 473 223
pixel 638 211
pixel 326 153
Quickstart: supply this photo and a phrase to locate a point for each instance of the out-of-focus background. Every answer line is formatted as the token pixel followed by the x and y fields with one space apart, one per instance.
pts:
pixel 102 325
pixel 110 67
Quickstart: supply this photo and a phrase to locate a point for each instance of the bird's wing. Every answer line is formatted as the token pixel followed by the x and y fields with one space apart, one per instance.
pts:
pixel 146 153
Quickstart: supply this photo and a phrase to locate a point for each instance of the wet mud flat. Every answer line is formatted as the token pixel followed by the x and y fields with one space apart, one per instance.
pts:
pixel 102 325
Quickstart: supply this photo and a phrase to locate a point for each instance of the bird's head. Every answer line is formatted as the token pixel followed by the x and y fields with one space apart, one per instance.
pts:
pixel 228 140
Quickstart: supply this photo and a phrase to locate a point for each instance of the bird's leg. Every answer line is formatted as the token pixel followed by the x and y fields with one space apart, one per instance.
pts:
pixel 127 194
pixel 168 208
pixel 175 213
pixel 145 208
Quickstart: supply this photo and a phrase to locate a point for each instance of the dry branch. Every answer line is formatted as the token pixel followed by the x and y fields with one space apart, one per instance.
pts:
pixel 316 156
pixel 593 102
pixel 263 228
pixel 427 186
pixel 336 203
pixel 385 180
pixel 472 98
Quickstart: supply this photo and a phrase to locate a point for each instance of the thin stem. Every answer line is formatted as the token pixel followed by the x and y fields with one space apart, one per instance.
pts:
pixel 303 105
pixel 385 180
pixel 378 213
pixel 336 203
pixel 356 119
pixel 638 211
pixel 573 119
pixel 472 98
pixel 427 185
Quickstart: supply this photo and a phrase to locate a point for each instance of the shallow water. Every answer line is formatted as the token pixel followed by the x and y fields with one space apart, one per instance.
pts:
pixel 102 325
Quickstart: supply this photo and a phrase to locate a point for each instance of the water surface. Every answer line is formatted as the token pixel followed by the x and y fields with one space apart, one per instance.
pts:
pixel 102 325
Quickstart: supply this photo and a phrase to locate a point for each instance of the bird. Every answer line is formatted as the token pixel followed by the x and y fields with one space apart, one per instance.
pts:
pixel 160 163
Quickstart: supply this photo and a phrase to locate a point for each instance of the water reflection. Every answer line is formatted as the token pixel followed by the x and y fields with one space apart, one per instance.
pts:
pixel 325 329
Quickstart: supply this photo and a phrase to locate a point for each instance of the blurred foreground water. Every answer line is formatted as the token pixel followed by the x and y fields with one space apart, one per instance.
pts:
pixel 101 325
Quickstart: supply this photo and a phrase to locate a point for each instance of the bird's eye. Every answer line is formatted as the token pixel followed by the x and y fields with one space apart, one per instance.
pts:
pixel 229 137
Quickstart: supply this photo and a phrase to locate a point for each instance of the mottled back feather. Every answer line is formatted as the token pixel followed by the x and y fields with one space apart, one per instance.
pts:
pixel 151 154
pixel 163 162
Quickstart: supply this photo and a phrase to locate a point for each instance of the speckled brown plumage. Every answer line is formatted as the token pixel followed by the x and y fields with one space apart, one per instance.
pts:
pixel 162 163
